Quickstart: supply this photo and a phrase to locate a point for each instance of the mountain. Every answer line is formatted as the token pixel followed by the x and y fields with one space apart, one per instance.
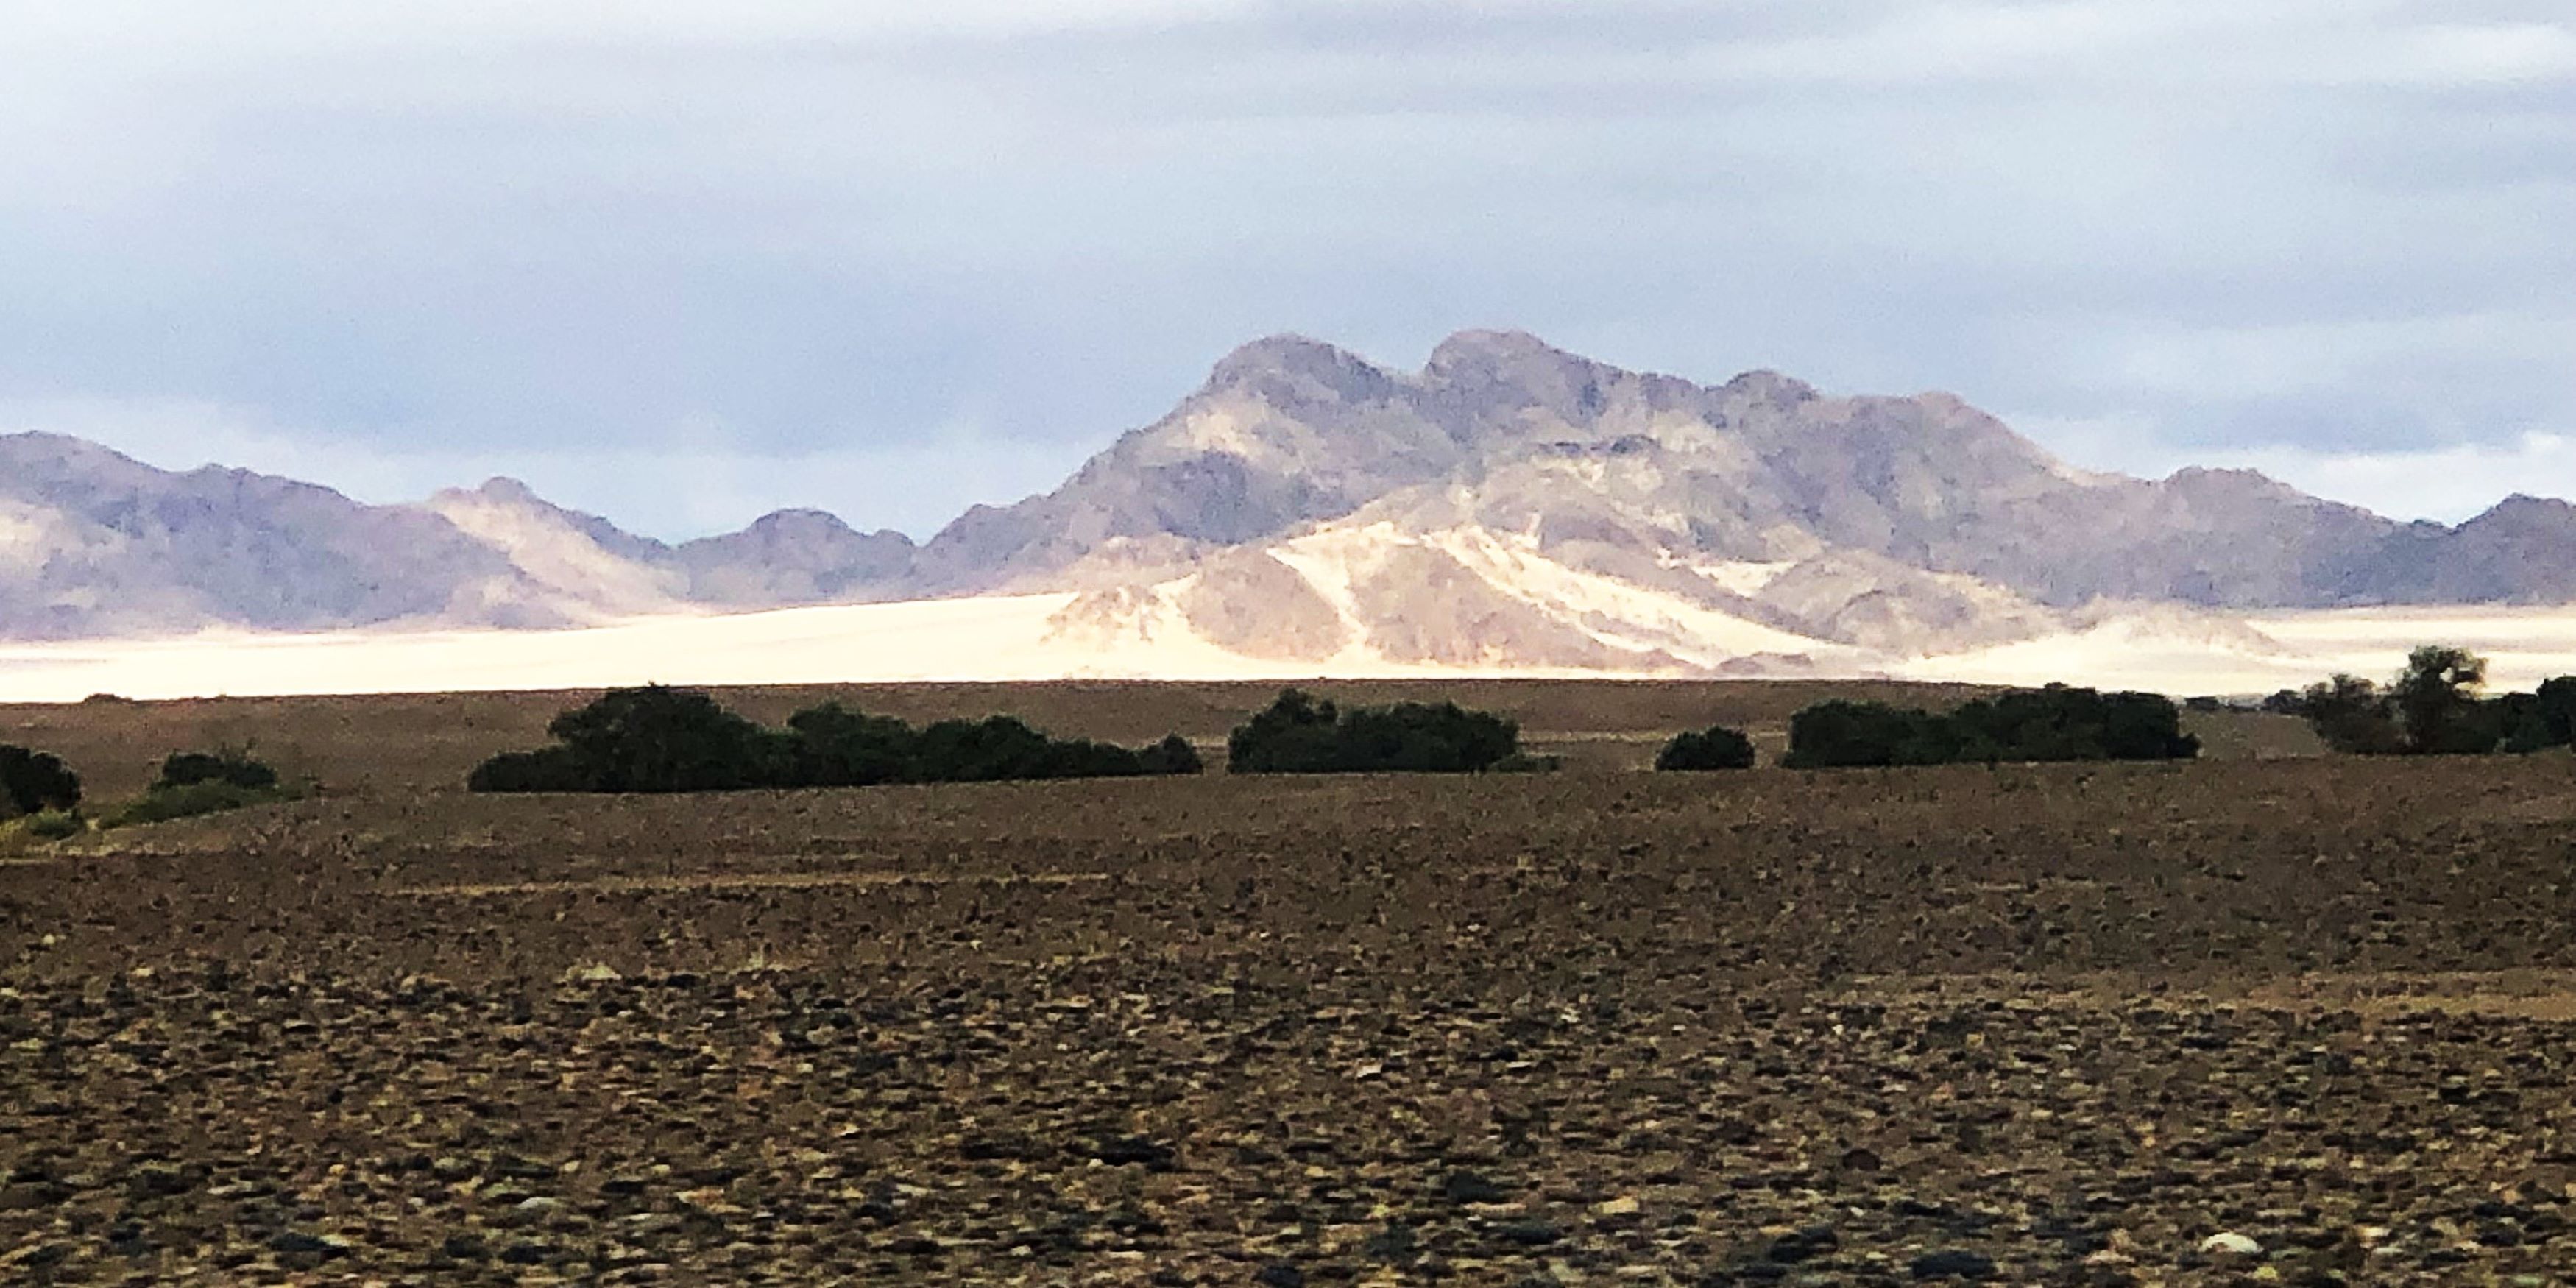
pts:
pixel 1509 505
pixel 95 544
pixel 1504 432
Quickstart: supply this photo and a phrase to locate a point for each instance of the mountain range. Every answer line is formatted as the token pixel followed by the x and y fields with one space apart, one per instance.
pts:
pixel 1508 505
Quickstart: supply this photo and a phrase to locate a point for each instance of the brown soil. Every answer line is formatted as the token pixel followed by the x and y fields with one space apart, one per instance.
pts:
pixel 2062 1024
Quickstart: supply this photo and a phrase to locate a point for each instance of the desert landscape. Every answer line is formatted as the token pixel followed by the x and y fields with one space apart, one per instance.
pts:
pixel 2266 1016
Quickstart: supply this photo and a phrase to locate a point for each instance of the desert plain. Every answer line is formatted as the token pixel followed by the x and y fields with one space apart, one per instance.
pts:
pixel 2266 1017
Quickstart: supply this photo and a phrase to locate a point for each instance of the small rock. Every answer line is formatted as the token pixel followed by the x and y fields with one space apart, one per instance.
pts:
pixel 1468 1187
pixel 526 1253
pixel 1125 1151
pixel 1529 1234
pixel 2228 1243
pixel 1279 1274
pixel 1396 1243
pixel 1953 1263
pixel 295 1242
pixel 1622 1206
pixel 1790 1249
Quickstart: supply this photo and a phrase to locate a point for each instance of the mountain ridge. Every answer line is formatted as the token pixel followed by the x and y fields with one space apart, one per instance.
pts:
pixel 1507 499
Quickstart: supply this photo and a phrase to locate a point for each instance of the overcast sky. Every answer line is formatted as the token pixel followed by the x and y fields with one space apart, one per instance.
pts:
pixel 685 262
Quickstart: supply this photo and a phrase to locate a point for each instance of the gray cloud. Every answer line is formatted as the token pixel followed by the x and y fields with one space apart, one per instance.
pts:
pixel 2299 231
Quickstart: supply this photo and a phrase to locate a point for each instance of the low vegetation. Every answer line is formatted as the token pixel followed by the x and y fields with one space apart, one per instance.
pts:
pixel 1707 749
pixel 1303 734
pixel 201 782
pixel 2058 723
pixel 660 739
pixel 2436 706
pixel 33 782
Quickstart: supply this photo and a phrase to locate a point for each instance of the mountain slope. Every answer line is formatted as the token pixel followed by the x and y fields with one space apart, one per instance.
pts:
pixel 1507 504
pixel 1505 432
pixel 95 544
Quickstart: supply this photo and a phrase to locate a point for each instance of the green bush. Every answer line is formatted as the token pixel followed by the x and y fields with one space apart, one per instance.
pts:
pixel 2065 723
pixel 2434 707
pixel 547 769
pixel 2547 718
pixel 1173 755
pixel 1717 747
pixel 34 781
pixel 1294 734
pixel 838 747
pixel 229 765
pixel 162 804
pixel 1302 734
pixel 2056 723
pixel 53 824
pixel 658 739
pixel 1841 734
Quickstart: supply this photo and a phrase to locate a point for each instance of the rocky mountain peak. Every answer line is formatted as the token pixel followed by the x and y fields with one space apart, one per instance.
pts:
pixel 1771 389
pixel 1501 373
pixel 509 491
pixel 1294 371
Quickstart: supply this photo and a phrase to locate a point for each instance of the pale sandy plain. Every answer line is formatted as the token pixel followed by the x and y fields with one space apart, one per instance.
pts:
pixel 1023 638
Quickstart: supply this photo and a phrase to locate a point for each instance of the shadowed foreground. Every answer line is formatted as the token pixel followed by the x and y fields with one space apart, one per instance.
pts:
pixel 2055 1025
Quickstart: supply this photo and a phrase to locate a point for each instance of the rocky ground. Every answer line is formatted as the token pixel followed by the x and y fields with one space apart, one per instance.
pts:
pixel 2305 1024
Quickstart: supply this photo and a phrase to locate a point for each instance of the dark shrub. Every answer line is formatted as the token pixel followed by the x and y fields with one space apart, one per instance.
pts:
pixel 658 739
pixel 2353 716
pixel 547 769
pixel 987 750
pixel 31 781
pixel 1302 734
pixel 2065 723
pixel 838 747
pixel 2436 698
pixel 1714 748
pixel 2059 722
pixel 230 765
pixel 1844 734
pixel 1173 755
pixel 1424 738
pixel 1293 735
pixel 2547 718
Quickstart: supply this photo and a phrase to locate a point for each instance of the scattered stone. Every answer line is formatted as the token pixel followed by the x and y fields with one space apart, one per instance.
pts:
pixel 2228 1243
pixel 1952 1263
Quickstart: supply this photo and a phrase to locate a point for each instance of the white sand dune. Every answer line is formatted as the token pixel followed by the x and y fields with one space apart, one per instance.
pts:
pixel 1011 637
pixel 1024 637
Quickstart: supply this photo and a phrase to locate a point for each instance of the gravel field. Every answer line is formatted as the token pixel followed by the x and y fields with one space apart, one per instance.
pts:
pixel 2296 1021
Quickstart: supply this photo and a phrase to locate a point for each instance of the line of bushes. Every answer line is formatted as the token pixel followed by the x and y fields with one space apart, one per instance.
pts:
pixel 2057 723
pixel 2435 706
pixel 44 796
pixel 661 739
pixel 1304 734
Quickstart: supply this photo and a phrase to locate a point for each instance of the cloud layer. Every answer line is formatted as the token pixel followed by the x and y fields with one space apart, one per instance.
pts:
pixel 809 248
